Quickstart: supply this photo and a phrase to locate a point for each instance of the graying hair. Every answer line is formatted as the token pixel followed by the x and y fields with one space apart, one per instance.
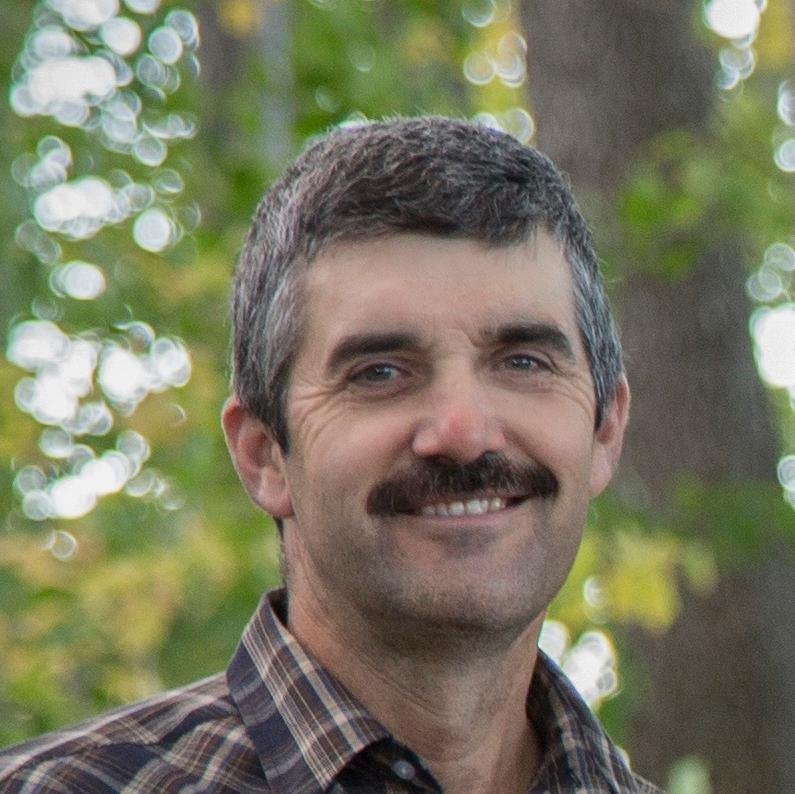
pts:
pixel 427 175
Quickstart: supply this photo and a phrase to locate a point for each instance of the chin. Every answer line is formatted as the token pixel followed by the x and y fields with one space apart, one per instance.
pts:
pixel 434 613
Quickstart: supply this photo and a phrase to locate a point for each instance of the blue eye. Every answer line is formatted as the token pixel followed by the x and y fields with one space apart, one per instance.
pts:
pixel 376 373
pixel 521 361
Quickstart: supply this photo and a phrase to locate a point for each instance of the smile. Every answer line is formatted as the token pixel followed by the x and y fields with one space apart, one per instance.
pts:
pixel 470 507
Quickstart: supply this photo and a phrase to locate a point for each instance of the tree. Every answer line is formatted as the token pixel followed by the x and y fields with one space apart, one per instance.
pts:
pixel 625 101
pixel 109 603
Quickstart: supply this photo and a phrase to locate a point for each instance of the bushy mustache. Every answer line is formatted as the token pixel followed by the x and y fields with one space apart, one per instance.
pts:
pixel 441 480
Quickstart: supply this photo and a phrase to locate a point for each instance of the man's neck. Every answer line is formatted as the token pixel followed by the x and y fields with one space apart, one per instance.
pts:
pixel 463 712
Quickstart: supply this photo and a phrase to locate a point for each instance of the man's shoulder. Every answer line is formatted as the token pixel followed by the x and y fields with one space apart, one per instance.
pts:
pixel 143 742
pixel 579 753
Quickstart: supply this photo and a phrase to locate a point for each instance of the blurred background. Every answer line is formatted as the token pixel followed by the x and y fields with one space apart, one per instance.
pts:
pixel 137 136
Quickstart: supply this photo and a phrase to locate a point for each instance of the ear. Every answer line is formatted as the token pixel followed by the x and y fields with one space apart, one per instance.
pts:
pixel 609 439
pixel 258 458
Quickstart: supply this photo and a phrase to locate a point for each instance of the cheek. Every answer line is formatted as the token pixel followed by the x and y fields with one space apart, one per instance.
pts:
pixel 341 446
pixel 317 426
pixel 559 436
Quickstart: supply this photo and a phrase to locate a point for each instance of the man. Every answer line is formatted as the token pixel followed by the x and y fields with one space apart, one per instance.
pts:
pixel 428 392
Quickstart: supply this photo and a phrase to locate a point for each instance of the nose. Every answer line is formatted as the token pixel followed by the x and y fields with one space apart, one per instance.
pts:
pixel 460 422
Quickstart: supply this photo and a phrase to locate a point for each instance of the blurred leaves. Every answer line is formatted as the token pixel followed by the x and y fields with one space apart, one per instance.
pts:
pixel 629 571
pixel 153 597
pixel 146 597
pixel 686 193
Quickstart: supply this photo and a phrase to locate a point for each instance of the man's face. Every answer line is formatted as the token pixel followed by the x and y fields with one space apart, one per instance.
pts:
pixel 441 418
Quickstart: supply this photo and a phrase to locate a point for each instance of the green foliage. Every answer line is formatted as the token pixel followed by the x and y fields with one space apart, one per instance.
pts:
pixel 690 775
pixel 686 193
pixel 156 597
pixel 741 522
pixel 628 570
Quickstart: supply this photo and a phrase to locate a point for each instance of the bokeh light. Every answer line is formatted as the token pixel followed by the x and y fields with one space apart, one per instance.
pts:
pixel 78 280
pixel 590 663
pixel 85 64
pixel 93 87
pixel 143 6
pixel 122 35
pixel 510 61
pixel 786 476
pixel 507 63
pixel 772 325
pixel 479 13
pixel 784 156
pixel 88 476
pixel 498 62
pixel 515 121
pixel 154 230
pixel 786 102
pixel 738 22
pixel 165 44
pixel 554 639
pixel 733 19
pixel 479 68
pixel 64 371
pixel 362 57
pixel 77 209
pixel 85 15
pixel 773 330
pixel 61 544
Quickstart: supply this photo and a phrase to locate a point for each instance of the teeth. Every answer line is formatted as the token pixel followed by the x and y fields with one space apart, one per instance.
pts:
pixel 456 509
pixel 476 507
pixel 472 507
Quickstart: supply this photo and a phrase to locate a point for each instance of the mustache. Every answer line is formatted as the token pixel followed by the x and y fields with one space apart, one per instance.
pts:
pixel 440 480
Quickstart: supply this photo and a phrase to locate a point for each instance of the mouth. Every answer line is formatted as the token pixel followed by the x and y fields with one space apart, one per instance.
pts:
pixel 490 485
pixel 476 506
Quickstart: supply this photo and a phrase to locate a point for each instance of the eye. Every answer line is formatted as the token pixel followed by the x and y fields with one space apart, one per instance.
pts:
pixel 524 362
pixel 376 373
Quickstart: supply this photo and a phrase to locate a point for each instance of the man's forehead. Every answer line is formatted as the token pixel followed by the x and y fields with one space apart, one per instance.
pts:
pixel 415 284
pixel 538 239
pixel 409 255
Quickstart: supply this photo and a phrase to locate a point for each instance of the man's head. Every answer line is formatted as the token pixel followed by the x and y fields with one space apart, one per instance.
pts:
pixel 428 382
pixel 432 176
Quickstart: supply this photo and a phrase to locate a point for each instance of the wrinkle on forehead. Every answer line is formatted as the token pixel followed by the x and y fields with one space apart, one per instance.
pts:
pixel 409 266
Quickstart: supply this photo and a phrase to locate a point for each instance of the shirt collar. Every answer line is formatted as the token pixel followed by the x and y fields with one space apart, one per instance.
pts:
pixel 576 748
pixel 305 727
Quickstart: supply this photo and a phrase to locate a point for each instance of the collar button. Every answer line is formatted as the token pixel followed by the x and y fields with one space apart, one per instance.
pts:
pixel 404 770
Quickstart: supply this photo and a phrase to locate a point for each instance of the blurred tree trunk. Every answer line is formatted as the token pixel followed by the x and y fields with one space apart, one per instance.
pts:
pixel 248 86
pixel 606 79
pixel 258 40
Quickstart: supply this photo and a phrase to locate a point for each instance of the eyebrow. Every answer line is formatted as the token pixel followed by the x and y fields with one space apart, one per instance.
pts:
pixel 355 345
pixel 545 334
pixel 363 344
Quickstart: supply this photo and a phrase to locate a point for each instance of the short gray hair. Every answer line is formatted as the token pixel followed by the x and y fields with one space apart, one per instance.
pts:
pixel 427 175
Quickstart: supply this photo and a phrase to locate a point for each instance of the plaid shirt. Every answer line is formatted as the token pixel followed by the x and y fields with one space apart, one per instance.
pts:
pixel 278 722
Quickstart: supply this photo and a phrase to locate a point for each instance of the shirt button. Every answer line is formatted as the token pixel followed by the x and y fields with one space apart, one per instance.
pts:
pixel 404 770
